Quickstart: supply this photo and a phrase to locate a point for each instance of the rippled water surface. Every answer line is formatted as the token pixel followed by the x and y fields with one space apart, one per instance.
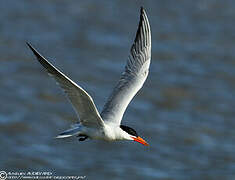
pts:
pixel 185 109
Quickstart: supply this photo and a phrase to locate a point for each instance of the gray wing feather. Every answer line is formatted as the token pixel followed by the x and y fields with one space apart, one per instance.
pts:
pixel 79 98
pixel 134 76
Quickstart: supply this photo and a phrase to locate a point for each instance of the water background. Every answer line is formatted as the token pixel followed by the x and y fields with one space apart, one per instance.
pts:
pixel 185 109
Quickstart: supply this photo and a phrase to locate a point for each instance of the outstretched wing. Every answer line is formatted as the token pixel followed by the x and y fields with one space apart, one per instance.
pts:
pixel 80 99
pixel 134 76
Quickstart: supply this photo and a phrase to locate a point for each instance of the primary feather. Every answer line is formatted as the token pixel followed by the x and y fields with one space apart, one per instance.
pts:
pixel 134 76
pixel 79 98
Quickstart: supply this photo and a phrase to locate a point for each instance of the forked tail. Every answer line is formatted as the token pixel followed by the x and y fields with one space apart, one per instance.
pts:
pixel 70 132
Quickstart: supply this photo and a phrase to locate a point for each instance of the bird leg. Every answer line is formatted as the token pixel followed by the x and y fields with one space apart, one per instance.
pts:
pixel 82 137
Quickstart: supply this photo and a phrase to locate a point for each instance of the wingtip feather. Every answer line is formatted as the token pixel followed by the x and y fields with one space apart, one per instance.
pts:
pixel 30 46
pixel 141 9
pixel 32 49
pixel 143 36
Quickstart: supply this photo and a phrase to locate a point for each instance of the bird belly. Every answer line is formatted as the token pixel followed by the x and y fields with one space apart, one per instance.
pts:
pixel 107 133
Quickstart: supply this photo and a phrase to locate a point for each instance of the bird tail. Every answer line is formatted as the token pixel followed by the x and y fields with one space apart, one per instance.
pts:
pixel 70 132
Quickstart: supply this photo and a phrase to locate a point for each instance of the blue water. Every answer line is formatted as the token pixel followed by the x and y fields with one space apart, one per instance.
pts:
pixel 185 109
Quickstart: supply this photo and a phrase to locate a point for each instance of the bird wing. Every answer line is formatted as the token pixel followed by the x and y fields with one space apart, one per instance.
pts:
pixel 79 98
pixel 134 76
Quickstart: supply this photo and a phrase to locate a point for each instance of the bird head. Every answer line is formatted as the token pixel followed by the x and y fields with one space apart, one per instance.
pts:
pixel 132 135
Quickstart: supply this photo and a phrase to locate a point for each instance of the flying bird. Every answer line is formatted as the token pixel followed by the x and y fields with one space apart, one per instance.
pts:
pixel 107 124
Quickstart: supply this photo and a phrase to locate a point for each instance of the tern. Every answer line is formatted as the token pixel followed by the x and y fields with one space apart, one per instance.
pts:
pixel 107 124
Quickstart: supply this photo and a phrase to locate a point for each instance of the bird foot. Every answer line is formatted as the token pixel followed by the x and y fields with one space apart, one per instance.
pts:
pixel 82 137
